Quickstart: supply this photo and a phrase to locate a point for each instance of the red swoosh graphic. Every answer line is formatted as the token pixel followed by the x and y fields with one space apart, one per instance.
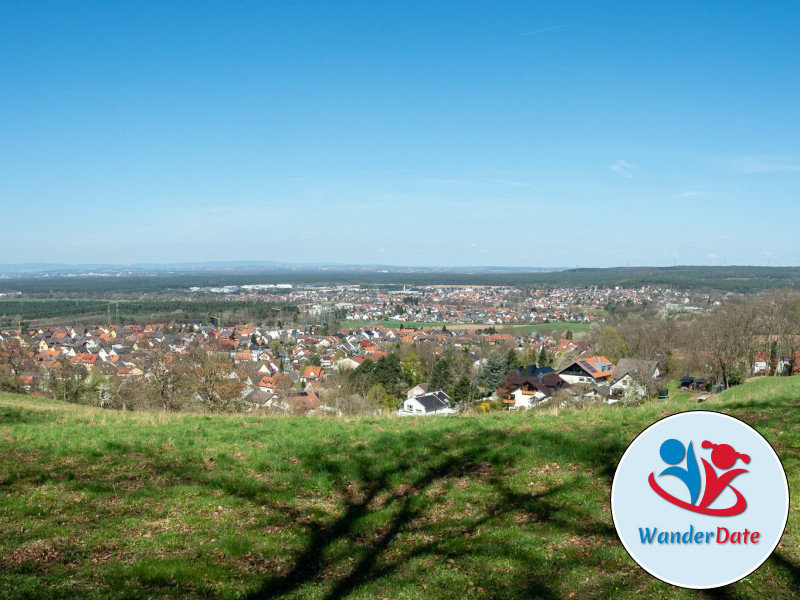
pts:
pixel 737 508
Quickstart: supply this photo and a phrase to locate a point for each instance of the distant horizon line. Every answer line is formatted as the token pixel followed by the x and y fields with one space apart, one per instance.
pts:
pixel 52 267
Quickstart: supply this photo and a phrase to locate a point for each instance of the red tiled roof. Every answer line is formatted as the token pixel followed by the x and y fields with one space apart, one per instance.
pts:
pixel 83 358
pixel 312 372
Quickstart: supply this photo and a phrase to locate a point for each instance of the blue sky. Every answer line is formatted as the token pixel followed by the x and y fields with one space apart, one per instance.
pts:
pixel 554 134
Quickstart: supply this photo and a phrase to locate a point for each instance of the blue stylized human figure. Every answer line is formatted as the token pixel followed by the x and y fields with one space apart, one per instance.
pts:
pixel 672 452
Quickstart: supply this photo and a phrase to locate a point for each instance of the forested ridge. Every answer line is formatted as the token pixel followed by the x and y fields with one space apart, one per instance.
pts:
pixel 744 279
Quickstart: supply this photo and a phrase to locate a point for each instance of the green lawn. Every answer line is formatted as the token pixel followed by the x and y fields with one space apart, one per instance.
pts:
pixel 98 504
pixel 555 327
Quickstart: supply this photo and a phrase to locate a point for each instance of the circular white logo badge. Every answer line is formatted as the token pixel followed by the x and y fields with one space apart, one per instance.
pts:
pixel 700 499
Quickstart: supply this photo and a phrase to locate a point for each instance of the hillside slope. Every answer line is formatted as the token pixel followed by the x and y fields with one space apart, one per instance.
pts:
pixel 99 504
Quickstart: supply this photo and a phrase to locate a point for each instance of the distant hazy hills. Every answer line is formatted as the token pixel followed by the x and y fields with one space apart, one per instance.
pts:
pixel 48 278
pixel 249 266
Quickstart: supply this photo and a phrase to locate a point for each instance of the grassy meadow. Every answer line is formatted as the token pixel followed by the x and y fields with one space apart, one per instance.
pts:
pixel 100 504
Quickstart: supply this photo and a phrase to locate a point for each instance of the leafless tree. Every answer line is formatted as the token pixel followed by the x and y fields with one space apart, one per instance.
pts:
pixel 127 393
pixel 611 344
pixel 428 356
pixel 283 384
pixel 564 359
pixel 779 322
pixel 169 382
pixel 462 365
pixel 66 381
pixel 16 355
pixel 217 391
pixel 649 339
pixel 728 336
pixel 791 340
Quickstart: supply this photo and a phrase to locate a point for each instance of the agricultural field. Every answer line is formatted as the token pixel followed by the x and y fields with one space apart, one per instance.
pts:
pixel 48 312
pixel 513 329
pixel 102 504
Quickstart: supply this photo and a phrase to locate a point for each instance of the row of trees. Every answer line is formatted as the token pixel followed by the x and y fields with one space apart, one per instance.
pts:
pixel 197 381
pixel 734 331
pixel 722 341
pixel 24 311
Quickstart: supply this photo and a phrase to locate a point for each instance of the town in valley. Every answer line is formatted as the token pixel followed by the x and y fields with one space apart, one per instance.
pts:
pixel 406 349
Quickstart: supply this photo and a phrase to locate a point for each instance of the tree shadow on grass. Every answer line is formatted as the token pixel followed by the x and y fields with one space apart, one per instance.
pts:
pixel 779 560
pixel 411 487
pixel 779 563
pixel 512 512
pixel 22 416
pixel 409 480
pixel 443 501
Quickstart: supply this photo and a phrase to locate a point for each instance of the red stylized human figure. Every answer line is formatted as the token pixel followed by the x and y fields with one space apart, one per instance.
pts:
pixel 724 457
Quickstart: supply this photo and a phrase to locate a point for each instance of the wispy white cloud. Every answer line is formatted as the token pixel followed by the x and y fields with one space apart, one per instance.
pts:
pixel 535 31
pixel 521 184
pixel 767 164
pixel 449 183
pixel 477 249
pixel 623 168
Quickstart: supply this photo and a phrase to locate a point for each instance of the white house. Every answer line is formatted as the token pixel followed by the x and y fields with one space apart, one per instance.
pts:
pixel 348 362
pixel 632 376
pixel 760 364
pixel 525 398
pixel 627 387
pixel 435 403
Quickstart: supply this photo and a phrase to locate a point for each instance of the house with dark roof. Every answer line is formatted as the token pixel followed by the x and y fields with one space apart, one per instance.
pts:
pixel 527 392
pixel 433 403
